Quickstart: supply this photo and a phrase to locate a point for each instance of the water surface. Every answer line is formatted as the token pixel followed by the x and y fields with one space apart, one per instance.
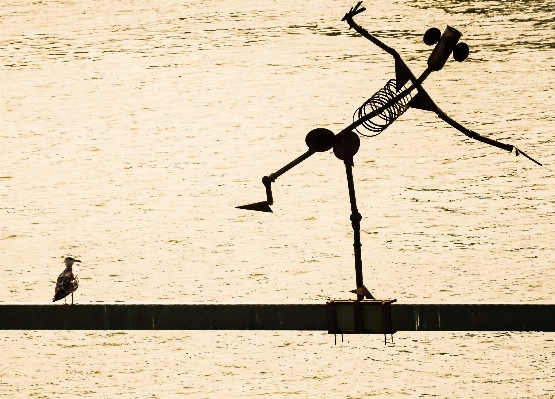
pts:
pixel 130 131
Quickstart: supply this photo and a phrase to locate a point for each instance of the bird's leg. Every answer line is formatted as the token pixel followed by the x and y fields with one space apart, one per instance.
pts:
pixel 72 298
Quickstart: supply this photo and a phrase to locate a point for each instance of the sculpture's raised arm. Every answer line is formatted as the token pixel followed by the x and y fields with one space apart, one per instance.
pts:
pixel 352 24
pixel 402 72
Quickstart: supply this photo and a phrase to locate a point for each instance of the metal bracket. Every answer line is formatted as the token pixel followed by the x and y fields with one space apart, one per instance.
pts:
pixel 360 317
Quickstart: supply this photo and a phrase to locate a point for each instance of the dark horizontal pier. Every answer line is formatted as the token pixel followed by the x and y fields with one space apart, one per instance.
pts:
pixel 307 317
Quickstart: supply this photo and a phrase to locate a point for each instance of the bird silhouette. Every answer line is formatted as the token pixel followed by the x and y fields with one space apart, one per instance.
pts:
pixel 68 281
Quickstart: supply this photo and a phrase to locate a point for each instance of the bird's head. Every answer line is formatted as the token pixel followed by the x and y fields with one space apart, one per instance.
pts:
pixel 69 261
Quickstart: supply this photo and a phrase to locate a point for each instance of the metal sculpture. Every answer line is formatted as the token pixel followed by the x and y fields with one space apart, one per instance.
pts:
pixel 373 117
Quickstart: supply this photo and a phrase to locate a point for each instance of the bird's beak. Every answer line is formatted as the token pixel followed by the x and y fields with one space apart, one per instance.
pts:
pixel 77 260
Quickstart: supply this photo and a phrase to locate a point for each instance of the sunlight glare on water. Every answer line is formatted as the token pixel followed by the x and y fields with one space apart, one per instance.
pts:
pixel 130 130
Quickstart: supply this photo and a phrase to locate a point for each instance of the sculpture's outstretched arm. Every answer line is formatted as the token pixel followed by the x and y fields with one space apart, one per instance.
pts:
pixel 476 136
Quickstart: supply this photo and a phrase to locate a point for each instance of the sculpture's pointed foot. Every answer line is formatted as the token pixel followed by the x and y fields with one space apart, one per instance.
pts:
pixel 257 206
pixel 363 291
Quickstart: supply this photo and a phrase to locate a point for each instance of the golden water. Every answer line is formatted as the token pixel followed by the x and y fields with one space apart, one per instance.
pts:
pixel 130 130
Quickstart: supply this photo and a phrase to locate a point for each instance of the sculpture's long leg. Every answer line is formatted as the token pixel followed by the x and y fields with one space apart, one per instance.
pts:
pixel 355 221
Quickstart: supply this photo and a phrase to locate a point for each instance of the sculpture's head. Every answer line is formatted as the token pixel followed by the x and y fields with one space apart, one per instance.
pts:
pixel 446 44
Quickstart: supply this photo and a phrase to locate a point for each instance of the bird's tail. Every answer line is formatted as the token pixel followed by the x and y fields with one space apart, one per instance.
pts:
pixel 57 296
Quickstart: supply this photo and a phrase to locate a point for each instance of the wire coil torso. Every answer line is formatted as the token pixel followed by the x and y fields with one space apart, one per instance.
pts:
pixel 381 121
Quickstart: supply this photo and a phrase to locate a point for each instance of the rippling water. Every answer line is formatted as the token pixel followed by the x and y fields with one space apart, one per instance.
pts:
pixel 131 130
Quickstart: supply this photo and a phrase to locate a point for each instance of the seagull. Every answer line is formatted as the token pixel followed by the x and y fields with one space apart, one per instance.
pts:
pixel 68 281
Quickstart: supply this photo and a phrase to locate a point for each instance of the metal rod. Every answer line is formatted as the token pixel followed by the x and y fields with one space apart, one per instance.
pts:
pixel 356 217
pixel 290 165
pixel 472 134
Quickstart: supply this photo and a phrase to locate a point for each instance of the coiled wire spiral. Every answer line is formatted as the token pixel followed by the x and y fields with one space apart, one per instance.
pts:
pixel 381 121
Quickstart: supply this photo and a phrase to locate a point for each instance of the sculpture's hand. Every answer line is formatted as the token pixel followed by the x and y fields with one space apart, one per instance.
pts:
pixel 353 11
pixel 363 32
